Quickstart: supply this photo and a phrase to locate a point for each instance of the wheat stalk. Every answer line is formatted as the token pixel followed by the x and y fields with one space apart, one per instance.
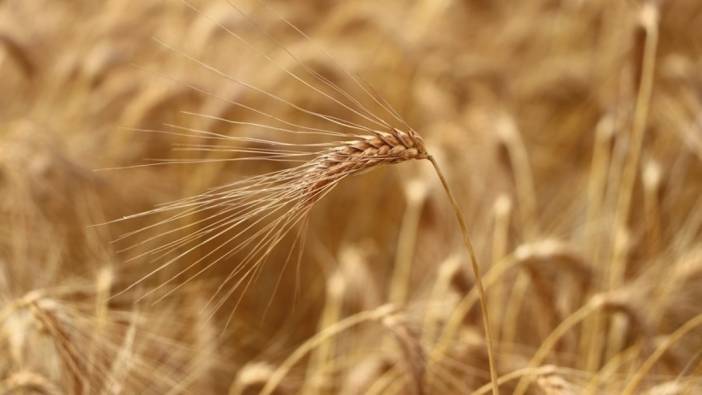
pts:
pixel 251 217
pixel 649 33
pixel 398 147
pixel 292 193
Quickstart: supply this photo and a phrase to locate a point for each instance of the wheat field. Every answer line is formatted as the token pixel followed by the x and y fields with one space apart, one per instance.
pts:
pixel 351 197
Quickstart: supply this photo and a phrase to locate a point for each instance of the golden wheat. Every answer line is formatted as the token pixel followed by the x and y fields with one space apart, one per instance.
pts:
pixel 567 130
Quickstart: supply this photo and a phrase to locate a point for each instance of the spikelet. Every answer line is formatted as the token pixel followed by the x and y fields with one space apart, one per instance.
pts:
pixel 252 216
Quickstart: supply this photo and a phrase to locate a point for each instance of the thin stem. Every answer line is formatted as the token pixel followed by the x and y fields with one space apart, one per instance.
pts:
pixel 662 348
pixel 320 338
pixel 476 272
pixel 649 24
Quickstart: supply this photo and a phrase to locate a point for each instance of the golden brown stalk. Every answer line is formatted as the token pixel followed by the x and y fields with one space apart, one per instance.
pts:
pixel 315 341
pixel 389 383
pixel 322 359
pixel 103 286
pixel 500 247
pixel 537 259
pixel 415 192
pixel 512 144
pixel 411 347
pixel 355 157
pixel 251 378
pixel 592 342
pixel 649 20
pixel 612 303
pixel 648 364
pixel 525 255
pixel 280 201
pixel 263 210
pixel 604 380
pixel 476 272
pixel 448 270
pixel 548 344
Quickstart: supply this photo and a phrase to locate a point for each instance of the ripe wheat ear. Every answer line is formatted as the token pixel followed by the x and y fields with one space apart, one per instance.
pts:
pixel 390 148
pixel 262 210
pixel 251 217
pixel 394 147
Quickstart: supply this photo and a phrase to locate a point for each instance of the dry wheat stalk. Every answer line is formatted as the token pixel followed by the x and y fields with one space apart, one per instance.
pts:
pixel 251 378
pixel 648 364
pixel 262 210
pixel 276 202
pixel 648 33
pixel 322 359
pixel 284 199
pixel 247 219
pixel 414 355
pixel 416 191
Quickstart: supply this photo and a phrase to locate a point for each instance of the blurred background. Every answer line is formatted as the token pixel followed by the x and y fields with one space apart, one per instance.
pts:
pixel 570 131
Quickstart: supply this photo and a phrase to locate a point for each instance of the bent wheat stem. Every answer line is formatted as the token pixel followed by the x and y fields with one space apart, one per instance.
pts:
pixel 318 339
pixel 476 272
pixel 646 367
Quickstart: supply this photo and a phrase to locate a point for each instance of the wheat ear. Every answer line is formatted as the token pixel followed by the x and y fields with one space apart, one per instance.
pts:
pixel 281 200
